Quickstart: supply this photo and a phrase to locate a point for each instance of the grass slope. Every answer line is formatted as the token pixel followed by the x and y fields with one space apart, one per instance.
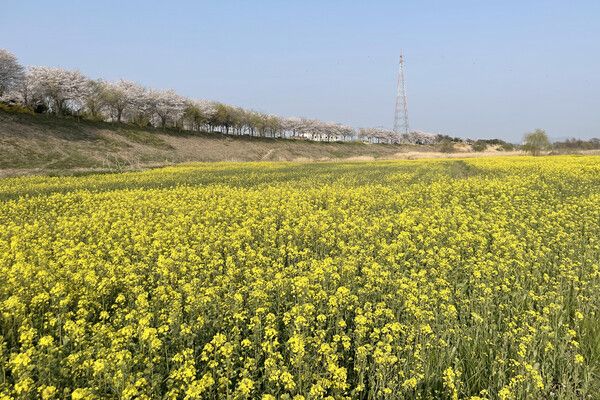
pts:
pixel 45 143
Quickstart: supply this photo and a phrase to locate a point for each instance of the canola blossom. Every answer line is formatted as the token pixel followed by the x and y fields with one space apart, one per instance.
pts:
pixel 428 279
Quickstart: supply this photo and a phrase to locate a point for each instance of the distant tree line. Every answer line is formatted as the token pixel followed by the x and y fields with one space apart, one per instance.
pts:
pixel 483 144
pixel 65 92
pixel 577 144
pixel 537 142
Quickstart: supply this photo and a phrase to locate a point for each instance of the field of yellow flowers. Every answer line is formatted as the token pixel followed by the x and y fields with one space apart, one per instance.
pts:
pixel 425 279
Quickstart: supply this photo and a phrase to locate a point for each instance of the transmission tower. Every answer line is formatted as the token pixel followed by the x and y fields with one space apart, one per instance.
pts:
pixel 401 116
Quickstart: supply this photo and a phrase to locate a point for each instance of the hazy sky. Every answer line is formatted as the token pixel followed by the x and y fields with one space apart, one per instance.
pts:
pixel 473 68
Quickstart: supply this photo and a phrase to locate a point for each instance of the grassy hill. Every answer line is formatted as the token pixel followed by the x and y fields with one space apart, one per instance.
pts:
pixel 42 143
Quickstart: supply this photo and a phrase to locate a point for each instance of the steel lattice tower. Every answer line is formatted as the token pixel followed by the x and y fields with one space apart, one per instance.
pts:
pixel 401 116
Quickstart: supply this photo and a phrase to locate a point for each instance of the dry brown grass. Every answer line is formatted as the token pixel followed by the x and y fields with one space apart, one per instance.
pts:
pixel 40 144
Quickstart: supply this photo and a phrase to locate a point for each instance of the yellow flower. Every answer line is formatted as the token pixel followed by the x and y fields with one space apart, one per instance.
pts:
pixel 81 394
pixel 46 341
pixel 410 383
pixel 48 392
pixel 334 280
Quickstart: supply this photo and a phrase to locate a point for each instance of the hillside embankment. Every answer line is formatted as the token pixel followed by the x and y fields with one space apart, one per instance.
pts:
pixel 39 144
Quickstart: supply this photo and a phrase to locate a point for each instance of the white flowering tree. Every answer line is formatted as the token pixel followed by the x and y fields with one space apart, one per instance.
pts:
pixel 27 92
pixel 346 132
pixel 11 72
pixel 291 126
pixel 61 90
pixel 167 105
pixel 141 105
pixel 373 135
pixel 58 90
pixel 334 131
pixel 128 101
pixel 419 138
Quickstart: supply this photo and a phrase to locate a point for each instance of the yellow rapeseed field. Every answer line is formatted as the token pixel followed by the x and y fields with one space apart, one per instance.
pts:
pixel 425 279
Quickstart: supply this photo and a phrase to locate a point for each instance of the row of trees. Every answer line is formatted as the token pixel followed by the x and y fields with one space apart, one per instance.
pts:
pixel 577 144
pixel 66 92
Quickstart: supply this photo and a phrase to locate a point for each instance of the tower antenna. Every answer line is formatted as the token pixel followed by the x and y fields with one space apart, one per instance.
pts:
pixel 401 116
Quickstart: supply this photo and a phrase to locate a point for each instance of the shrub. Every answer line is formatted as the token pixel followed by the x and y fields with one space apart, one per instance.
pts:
pixel 446 146
pixel 535 142
pixel 479 145
pixel 15 108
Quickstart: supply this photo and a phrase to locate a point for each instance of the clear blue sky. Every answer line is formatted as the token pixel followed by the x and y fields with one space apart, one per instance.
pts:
pixel 474 68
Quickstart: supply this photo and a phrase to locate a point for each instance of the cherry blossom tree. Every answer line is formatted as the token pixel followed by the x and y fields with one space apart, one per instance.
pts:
pixel 419 138
pixel 141 105
pixel 291 126
pixel 346 132
pixel 127 100
pixel 11 72
pixel 61 90
pixel 167 105
pixel 28 95
pixel 376 135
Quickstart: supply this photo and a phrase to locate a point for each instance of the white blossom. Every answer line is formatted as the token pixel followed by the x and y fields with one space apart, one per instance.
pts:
pixel 11 72
pixel 61 90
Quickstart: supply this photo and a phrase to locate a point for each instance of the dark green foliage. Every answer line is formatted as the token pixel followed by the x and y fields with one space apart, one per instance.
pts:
pixel 479 145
